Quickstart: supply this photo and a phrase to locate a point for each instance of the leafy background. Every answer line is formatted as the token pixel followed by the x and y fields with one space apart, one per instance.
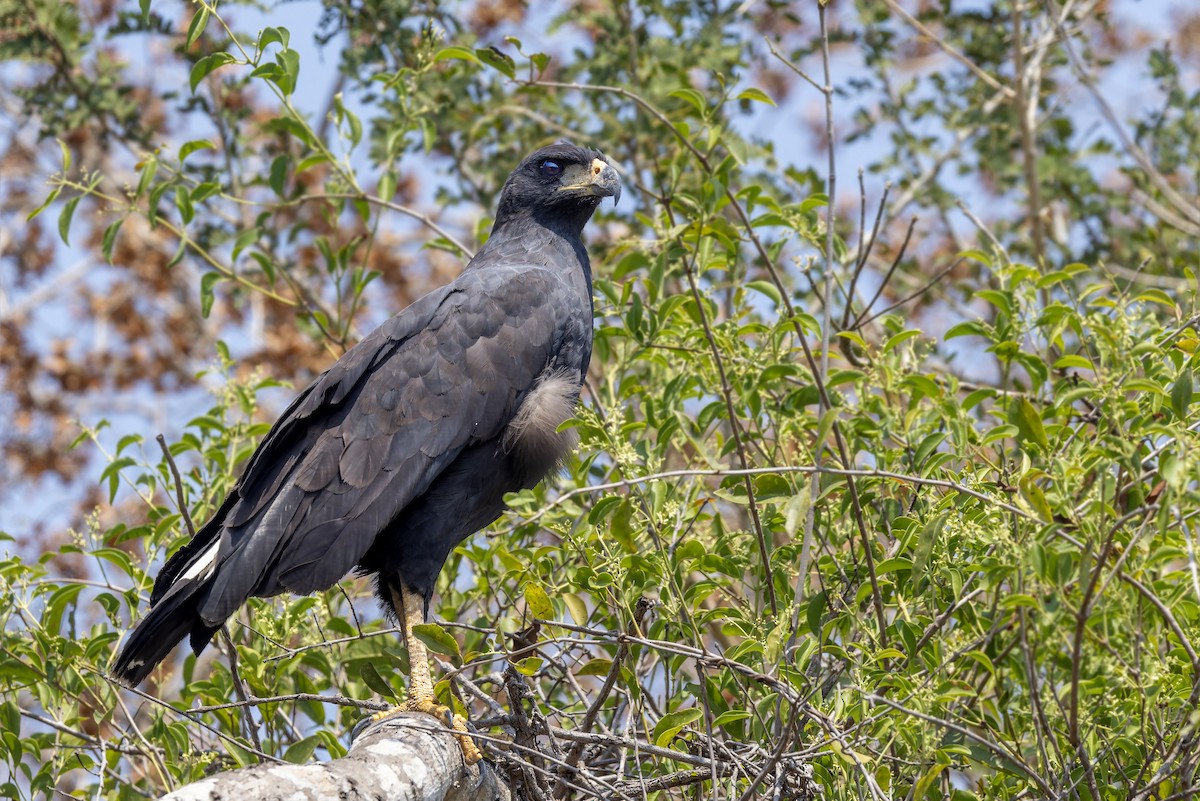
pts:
pixel 897 507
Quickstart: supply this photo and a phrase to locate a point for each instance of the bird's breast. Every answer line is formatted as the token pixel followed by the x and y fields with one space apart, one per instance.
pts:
pixel 532 437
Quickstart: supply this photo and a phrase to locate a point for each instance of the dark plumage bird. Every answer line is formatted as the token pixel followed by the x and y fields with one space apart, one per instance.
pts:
pixel 408 443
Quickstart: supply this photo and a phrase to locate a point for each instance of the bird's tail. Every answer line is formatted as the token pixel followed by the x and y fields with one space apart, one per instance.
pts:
pixel 173 617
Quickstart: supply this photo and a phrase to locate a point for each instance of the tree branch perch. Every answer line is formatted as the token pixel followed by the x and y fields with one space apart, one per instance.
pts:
pixel 409 757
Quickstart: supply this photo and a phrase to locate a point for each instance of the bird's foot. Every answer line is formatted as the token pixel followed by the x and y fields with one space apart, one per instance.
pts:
pixel 457 723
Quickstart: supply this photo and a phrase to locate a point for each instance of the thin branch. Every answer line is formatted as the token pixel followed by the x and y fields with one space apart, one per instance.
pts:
pixel 240 687
pixel 928 285
pixel 942 45
pixel 589 718
pixel 887 277
pixel 780 469
pixel 183 510
pixel 970 734
pixel 338 700
pixel 1184 206
pixel 424 219
pixel 738 434
pixel 864 249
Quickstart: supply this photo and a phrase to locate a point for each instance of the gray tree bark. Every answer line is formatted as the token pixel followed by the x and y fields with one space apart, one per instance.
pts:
pixel 410 757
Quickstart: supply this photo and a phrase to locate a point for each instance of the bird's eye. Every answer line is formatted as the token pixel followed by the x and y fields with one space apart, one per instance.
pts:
pixel 550 168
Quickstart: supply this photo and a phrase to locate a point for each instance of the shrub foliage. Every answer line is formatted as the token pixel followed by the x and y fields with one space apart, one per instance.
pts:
pixel 865 506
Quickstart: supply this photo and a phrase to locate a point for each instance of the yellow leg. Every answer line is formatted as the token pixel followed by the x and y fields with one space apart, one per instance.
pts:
pixel 411 611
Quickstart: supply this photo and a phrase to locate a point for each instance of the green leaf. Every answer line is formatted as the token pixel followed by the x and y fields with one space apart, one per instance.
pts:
pixel 901 337
pixel 196 27
pixel 672 723
pixel 1033 493
pixel 144 5
pixel 797 510
pixel 270 36
pixel 1157 296
pixel 353 124
pixel 244 240
pixel 1025 417
pixel 894 565
pixel 56 606
pixel 300 752
pixel 148 169
pixel 757 95
pixel 529 665
pixel 603 508
pixel 387 185
pixel 66 156
pixel 207 282
pixel 112 474
pixel 278 174
pixel 816 610
pixel 272 72
pixel 1181 394
pixel 204 191
pixel 183 202
pixel 1072 360
pixel 977 255
pixel 968 328
pixel 206 65
pixel 371 678
pixel 289 62
pixel 110 239
pixel 538 602
pixel 1001 300
pixel 456 53
pixel 730 716
pixel 692 98
pixel 50 198
pixel 64 218
pixel 576 607
pixel 766 288
pixel 437 639
pixel 596 667
pixel 926 781
pixel 311 161
pixel 191 147
pixel 498 60
pixel 930 534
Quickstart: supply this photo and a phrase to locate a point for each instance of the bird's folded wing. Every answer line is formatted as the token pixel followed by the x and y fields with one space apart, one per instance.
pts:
pixel 372 433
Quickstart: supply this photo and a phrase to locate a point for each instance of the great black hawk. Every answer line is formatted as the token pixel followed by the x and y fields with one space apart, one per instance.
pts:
pixel 407 444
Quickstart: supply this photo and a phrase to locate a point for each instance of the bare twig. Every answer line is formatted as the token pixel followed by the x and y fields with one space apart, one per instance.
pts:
pixel 337 700
pixel 240 687
pixel 916 293
pixel 1185 206
pixel 183 510
pixel 912 224
pixel 781 469
pixel 424 219
pixel 589 718
pixel 945 47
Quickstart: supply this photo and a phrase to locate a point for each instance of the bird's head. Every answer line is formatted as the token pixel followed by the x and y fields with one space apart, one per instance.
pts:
pixel 559 183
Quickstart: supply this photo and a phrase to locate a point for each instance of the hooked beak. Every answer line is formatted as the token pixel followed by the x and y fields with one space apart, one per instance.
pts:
pixel 598 180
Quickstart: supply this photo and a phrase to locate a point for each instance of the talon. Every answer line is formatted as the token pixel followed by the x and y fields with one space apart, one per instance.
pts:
pixel 384 714
pixel 443 714
pixel 456 723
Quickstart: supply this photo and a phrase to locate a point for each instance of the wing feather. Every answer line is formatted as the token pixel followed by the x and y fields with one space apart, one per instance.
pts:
pixel 378 427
